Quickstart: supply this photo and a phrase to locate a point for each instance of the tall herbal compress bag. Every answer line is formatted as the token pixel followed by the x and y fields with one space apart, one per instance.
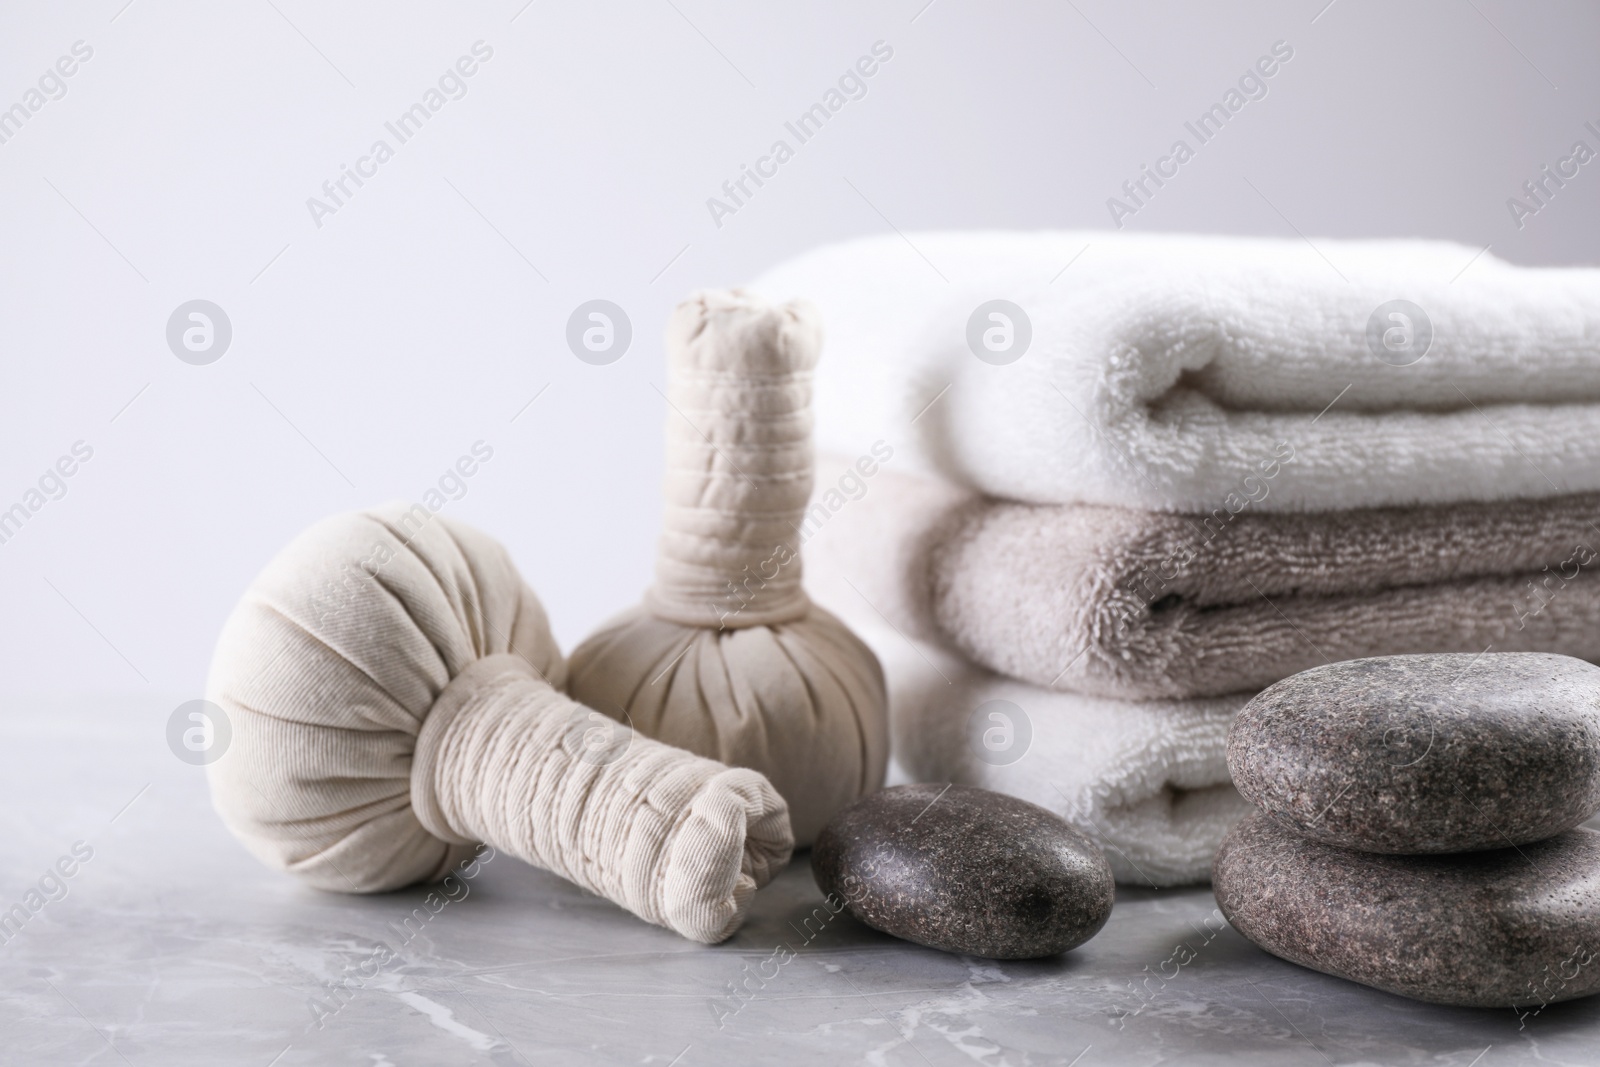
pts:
pixel 727 657
pixel 393 691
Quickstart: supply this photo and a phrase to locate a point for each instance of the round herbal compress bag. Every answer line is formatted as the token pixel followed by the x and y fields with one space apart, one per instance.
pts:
pixel 727 657
pixel 393 691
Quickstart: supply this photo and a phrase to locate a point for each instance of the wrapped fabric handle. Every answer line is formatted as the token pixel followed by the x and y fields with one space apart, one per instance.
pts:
pixel 739 463
pixel 680 841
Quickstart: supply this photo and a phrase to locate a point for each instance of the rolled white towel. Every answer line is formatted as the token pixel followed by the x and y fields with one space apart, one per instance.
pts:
pixel 1163 371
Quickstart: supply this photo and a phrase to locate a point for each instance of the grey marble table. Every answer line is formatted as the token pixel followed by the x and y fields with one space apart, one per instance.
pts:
pixel 172 946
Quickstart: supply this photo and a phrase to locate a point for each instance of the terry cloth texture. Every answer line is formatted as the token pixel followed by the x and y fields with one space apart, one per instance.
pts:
pixel 391 685
pixel 727 657
pixel 1163 370
pixel 1137 604
pixel 1148 780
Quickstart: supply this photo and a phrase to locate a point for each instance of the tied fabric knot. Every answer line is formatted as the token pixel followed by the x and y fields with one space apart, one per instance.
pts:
pixel 727 656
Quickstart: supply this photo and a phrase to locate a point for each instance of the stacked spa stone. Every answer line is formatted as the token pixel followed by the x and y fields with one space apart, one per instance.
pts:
pixel 1417 826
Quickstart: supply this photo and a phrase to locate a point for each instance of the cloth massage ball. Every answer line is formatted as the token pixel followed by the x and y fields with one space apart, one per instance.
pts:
pixel 727 657
pixel 394 693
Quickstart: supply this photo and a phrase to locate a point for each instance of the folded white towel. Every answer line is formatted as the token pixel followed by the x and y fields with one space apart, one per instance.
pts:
pixel 1148 780
pixel 1164 371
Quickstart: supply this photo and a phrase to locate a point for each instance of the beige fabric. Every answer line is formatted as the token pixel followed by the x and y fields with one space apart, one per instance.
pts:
pixel 389 683
pixel 1133 605
pixel 738 461
pixel 678 840
pixel 727 657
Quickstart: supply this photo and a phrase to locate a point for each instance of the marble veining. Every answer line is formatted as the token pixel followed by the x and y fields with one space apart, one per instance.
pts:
pixel 172 946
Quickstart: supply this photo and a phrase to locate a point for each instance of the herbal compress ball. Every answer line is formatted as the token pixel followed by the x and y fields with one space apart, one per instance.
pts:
pixel 727 657
pixel 393 690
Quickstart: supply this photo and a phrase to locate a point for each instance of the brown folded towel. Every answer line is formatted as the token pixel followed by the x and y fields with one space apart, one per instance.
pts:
pixel 1136 605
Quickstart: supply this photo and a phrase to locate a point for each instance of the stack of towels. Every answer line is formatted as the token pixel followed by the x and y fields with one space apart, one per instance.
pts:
pixel 1203 465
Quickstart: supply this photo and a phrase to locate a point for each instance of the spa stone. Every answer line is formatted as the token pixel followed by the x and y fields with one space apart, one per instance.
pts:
pixel 1510 927
pixel 1425 754
pixel 965 870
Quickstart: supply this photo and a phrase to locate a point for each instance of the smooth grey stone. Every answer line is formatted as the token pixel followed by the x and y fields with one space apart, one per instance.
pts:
pixel 1425 754
pixel 1513 927
pixel 965 870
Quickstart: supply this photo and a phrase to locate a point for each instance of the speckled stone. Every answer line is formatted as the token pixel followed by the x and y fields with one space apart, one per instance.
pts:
pixel 1425 754
pixel 965 870
pixel 1509 927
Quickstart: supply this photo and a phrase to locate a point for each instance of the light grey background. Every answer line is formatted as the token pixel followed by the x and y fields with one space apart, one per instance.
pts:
pixel 371 352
